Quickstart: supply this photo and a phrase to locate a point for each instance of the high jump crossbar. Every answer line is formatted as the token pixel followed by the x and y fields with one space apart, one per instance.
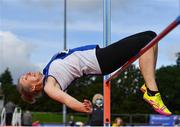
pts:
pixel 168 29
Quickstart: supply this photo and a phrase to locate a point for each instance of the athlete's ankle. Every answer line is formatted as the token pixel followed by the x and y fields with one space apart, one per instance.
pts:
pixel 151 92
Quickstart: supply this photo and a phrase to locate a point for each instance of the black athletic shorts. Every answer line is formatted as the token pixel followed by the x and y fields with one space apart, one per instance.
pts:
pixel 115 55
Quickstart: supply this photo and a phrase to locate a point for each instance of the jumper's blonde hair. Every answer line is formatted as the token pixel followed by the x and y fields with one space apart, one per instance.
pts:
pixel 25 95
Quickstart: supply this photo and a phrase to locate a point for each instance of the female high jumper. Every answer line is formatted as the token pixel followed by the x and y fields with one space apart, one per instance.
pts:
pixel 69 65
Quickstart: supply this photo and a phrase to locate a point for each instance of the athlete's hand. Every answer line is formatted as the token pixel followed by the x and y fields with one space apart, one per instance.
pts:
pixel 88 106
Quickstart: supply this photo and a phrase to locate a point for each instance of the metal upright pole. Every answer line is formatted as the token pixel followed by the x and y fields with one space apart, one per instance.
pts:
pixel 65 25
pixel 179 7
pixel 65 47
pixel 107 40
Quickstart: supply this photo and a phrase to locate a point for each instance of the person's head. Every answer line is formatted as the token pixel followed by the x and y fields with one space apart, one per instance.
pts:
pixel 97 100
pixel 30 86
pixel 71 117
pixel 119 121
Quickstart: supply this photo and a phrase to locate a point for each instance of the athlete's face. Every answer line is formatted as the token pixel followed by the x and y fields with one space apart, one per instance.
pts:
pixel 31 80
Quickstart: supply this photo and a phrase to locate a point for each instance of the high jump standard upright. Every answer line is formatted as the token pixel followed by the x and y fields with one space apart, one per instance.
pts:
pixel 106 40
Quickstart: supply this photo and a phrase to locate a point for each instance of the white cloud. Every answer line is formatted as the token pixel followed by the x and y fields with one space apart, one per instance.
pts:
pixel 15 54
pixel 30 25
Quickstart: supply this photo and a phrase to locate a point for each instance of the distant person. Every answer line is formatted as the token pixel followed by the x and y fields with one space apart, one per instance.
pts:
pixel 71 121
pixel 27 118
pixel 118 122
pixel 96 118
pixel 69 65
pixel 10 106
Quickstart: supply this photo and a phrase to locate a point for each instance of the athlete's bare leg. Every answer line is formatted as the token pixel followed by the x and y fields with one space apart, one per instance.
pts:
pixel 147 63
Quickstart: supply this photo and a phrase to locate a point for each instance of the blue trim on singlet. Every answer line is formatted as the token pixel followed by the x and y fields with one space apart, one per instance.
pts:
pixel 64 54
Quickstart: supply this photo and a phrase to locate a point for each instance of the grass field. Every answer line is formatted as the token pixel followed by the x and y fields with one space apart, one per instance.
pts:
pixel 44 117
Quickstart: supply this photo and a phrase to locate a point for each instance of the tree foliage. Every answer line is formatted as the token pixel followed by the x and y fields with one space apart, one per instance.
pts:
pixel 178 59
pixel 168 79
pixel 6 83
pixel 125 94
pixel 6 78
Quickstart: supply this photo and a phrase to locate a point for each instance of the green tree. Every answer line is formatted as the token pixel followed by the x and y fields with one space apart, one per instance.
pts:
pixel 125 95
pixel 6 78
pixel 178 59
pixel 169 85
pixel 6 84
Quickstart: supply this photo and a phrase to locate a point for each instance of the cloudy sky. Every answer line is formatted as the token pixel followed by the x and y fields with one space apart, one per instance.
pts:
pixel 31 31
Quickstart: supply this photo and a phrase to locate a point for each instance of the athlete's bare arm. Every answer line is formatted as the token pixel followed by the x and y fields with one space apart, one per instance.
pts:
pixel 64 98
